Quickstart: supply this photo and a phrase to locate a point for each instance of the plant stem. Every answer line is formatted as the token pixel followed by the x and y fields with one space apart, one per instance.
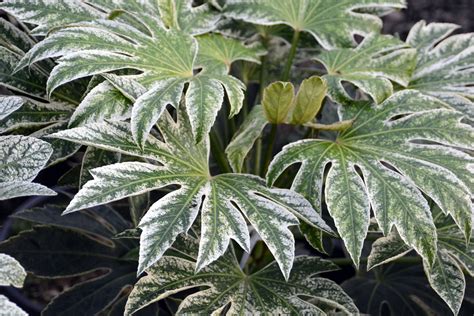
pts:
pixel 218 152
pixel 258 156
pixel 291 56
pixel 269 152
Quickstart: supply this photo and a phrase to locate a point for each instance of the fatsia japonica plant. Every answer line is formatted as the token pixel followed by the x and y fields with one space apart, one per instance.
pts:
pixel 228 157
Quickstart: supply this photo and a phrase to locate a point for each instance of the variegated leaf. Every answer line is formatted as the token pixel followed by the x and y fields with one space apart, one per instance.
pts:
pixel 11 272
pixel 445 275
pixel 182 15
pixel 217 52
pixel 444 66
pixel 8 105
pixel 32 113
pixel 224 200
pixel 388 158
pixel 47 14
pixel 371 66
pixel 9 308
pixel 223 283
pixel 103 102
pixel 21 158
pixel 166 58
pixel 331 23
pixel 245 137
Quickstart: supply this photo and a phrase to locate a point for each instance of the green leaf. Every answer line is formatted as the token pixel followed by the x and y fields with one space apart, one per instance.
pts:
pixel 83 247
pixel 331 24
pixel 308 100
pixel 224 283
pixel 444 65
pixel 243 140
pixel 224 200
pixel 217 53
pixel 388 158
pixel 11 272
pixel 182 15
pixel 278 100
pixel 166 58
pixel 371 66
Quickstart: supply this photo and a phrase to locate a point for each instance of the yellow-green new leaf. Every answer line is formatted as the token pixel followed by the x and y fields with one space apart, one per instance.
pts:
pixel 308 100
pixel 278 100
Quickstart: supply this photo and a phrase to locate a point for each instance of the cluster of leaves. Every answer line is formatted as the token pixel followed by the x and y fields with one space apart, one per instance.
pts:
pixel 153 98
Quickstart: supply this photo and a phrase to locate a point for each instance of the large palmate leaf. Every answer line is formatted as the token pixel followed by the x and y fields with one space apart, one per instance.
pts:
pixel 11 273
pixel 444 65
pixel 31 111
pixel 224 200
pixel 376 60
pixel 331 23
pixel 76 246
pixel 223 283
pixel 166 59
pixel 445 276
pixel 390 155
pixel 21 159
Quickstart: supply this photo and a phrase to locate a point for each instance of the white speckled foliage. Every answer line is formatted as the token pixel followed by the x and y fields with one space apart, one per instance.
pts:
pixel 223 283
pixel 392 154
pixel 21 159
pixel 224 127
pixel 446 274
pixel 11 273
pixel 225 201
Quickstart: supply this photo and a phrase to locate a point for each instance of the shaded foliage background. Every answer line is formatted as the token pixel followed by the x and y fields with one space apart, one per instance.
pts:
pixel 37 292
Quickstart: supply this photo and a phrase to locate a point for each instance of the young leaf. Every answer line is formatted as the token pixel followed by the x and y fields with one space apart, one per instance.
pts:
pixel 444 66
pixel 370 66
pixel 377 160
pixel 308 100
pixel 224 283
pixel 224 199
pixel 278 100
pixel 331 23
pixel 166 59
